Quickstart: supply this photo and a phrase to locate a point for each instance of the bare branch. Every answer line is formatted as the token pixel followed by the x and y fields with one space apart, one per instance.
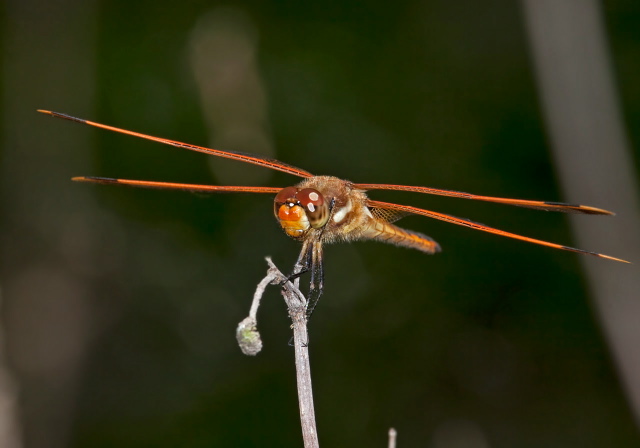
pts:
pixel 250 344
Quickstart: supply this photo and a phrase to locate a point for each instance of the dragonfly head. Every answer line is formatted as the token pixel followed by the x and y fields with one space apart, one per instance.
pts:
pixel 299 210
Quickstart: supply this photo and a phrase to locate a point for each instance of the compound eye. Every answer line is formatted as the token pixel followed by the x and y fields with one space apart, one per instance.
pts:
pixel 314 206
pixel 286 195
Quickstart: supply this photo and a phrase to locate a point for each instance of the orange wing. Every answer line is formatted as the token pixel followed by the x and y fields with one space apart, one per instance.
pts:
pixel 538 205
pixel 177 186
pixel 249 158
pixel 478 226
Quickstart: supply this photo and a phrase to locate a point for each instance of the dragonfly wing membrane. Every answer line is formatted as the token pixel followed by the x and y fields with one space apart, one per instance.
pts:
pixel 536 205
pixel 177 186
pixel 482 227
pixel 234 155
pixel 388 215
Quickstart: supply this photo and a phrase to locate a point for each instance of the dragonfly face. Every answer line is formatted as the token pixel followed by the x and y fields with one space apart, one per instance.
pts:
pixel 326 209
pixel 299 210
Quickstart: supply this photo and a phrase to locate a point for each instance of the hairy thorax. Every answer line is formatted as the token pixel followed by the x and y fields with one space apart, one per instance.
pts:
pixel 349 217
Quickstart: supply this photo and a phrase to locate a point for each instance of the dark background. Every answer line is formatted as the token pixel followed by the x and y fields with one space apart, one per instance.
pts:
pixel 120 305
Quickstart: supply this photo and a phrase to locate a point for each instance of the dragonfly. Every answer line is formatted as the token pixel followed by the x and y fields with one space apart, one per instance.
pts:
pixel 326 209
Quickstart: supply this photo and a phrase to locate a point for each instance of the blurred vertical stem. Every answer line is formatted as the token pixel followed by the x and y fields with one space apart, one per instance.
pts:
pixel 47 245
pixel 585 127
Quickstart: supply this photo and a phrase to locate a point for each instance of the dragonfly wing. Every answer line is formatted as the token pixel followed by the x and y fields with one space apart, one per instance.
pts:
pixel 482 227
pixel 234 155
pixel 388 215
pixel 177 186
pixel 538 205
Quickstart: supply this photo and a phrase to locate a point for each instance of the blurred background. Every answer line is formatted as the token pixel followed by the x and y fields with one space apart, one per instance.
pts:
pixel 119 305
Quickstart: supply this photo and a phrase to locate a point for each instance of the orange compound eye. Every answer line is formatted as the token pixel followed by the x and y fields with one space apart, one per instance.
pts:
pixel 286 195
pixel 310 199
pixel 314 206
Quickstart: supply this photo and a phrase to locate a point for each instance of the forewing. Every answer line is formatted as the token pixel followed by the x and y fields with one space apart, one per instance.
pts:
pixel 234 155
pixel 177 186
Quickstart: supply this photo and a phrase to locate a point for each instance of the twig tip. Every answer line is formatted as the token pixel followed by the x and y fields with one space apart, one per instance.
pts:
pixel 248 337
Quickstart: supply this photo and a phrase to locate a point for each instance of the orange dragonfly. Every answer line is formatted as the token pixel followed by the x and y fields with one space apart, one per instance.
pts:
pixel 326 209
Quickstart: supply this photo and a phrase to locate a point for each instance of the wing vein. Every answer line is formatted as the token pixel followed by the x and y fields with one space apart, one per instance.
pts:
pixel 177 186
pixel 537 205
pixel 477 226
pixel 234 155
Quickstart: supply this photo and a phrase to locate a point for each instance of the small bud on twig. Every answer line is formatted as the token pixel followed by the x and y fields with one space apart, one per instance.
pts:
pixel 248 337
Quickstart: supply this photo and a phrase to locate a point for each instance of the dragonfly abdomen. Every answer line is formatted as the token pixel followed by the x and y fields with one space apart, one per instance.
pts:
pixel 388 233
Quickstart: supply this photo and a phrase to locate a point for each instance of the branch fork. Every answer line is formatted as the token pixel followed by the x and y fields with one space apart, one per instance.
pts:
pixel 250 343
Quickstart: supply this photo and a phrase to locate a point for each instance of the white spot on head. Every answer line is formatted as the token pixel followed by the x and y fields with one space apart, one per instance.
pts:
pixel 311 207
pixel 314 196
pixel 340 214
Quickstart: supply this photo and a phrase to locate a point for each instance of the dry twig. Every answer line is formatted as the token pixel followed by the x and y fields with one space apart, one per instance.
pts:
pixel 250 344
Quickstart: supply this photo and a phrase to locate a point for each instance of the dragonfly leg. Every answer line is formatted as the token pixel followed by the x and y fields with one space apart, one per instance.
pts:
pixel 317 278
pixel 317 268
pixel 302 264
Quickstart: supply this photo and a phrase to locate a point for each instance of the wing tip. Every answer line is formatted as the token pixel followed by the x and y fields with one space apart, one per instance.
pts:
pixel 595 254
pixel 587 209
pixel 568 208
pixel 82 179
pixel 608 257
pixel 97 180
pixel 61 115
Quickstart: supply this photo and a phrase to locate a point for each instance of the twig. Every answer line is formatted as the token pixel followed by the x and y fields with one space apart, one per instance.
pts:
pixel 250 343
pixel 247 333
